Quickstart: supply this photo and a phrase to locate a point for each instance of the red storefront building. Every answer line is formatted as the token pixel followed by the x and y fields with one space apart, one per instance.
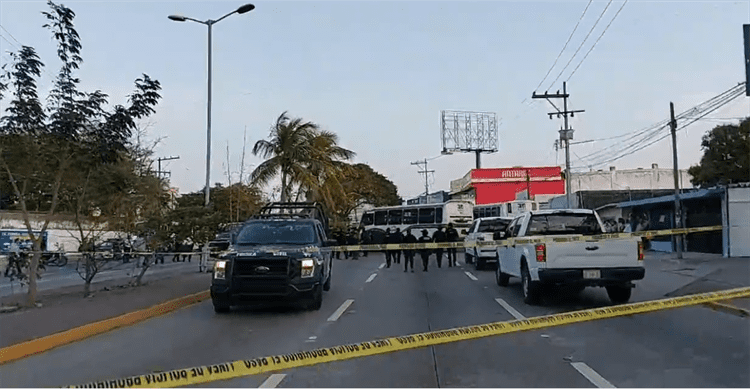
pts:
pixel 501 185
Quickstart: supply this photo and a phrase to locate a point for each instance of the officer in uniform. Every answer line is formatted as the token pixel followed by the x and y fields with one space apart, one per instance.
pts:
pixel 396 238
pixel 409 254
pixel 424 253
pixel 439 237
pixel 451 235
pixel 388 253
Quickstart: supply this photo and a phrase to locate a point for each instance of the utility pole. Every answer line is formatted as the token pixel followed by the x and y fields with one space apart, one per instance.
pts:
pixel 677 211
pixel 425 172
pixel 566 134
pixel 159 172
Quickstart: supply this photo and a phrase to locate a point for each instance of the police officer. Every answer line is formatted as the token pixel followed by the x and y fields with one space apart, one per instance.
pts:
pixel 409 254
pixel 451 235
pixel 388 253
pixel 395 238
pixel 439 237
pixel 424 253
pixel 351 240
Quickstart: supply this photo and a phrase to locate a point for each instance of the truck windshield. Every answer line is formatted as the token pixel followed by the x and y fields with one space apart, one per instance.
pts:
pixel 564 223
pixel 276 233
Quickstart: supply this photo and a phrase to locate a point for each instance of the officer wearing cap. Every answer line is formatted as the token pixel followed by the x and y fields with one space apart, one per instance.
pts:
pixel 424 253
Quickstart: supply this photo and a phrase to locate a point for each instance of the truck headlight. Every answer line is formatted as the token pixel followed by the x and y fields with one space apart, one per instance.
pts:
pixel 220 270
pixel 308 266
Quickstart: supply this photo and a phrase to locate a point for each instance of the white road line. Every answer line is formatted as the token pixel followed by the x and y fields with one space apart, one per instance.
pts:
pixel 591 375
pixel 341 310
pixel 372 277
pixel 471 276
pixel 510 309
pixel 382 265
pixel 272 381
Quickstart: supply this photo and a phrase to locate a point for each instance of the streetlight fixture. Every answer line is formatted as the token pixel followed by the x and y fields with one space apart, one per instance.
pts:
pixel 179 18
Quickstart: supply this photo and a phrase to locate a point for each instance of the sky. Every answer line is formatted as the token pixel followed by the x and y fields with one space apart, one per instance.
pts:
pixel 379 73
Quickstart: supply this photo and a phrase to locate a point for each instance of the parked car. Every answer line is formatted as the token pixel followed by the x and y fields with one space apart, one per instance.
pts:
pixel 612 263
pixel 485 229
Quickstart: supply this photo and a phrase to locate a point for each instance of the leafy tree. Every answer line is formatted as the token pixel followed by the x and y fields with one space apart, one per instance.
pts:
pixel 46 157
pixel 726 156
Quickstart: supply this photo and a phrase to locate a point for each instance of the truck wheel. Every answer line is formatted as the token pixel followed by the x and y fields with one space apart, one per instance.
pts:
pixel 531 289
pixel 500 277
pixel 327 285
pixel 619 294
pixel 317 299
pixel 220 306
pixel 478 263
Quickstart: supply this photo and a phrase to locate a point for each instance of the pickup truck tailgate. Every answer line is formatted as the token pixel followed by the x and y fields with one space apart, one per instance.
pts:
pixel 593 254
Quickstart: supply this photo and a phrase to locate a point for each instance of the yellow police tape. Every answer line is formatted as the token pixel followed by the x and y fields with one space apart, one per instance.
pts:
pixel 514 241
pixel 224 371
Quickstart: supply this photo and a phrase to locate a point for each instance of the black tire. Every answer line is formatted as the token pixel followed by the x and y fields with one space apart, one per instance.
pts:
pixel 500 277
pixel 327 285
pixel 479 263
pixel 62 260
pixel 531 289
pixel 317 298
pixel 221 306
pixel 619 294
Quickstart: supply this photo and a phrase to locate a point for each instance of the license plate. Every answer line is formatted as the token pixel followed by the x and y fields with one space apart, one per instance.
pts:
pixel 592 273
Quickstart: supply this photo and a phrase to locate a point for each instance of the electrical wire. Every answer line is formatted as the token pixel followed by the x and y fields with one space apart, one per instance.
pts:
pixel 581 45
pixel 565 45
pixel 597 40
pixel 688 119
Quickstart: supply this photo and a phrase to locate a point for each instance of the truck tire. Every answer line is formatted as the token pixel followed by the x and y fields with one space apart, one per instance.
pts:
pixel 220 306
pixel 619 294
pixel 500 277
pixel 317 298
pixel 479 262
pixel 531 289
pixel 327 284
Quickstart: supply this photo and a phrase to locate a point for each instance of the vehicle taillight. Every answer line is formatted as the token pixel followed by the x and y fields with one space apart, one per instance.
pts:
pixel 640 251
pixel 541 252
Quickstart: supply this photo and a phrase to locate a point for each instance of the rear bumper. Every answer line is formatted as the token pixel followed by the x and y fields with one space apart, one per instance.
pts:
pixel 609 276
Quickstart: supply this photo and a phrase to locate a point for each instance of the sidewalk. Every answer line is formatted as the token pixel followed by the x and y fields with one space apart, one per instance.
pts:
pixel 700 272
pixel 65 308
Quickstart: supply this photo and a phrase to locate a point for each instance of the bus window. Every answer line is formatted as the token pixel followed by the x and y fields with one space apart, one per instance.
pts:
pixel 394 216
pixel 410 216
pixel 367 219
pixel 476 213
pixel 439 215
pixel 427 215
pixel 494 211
pixel 533 206
pixel 510 208
pixel 381 218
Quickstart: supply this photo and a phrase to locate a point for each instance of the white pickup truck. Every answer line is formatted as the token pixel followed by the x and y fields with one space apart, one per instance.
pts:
pixel 484 229
pixel 550 247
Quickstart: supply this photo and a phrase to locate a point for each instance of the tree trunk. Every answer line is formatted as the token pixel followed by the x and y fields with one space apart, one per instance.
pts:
pixel 31 297
pixel 283 186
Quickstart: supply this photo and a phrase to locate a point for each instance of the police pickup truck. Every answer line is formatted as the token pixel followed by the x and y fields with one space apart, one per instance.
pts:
pixel 559 248
pixel 279 254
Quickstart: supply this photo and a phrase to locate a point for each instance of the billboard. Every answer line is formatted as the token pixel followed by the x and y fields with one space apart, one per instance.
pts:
pixel 7 236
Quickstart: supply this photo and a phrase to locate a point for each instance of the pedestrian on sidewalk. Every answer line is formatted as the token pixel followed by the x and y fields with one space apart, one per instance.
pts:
pixel 451 235
pixel 439 237
pixel 424 253
pixel 409 254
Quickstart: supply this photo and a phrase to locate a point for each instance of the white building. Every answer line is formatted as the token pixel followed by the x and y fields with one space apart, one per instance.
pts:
pixel 613 179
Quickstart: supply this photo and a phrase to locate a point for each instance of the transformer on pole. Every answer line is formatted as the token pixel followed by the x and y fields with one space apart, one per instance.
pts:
pixel 467 131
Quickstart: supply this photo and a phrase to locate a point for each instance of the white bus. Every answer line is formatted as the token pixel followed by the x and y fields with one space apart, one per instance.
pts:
pixel 509 209
pixel 427 216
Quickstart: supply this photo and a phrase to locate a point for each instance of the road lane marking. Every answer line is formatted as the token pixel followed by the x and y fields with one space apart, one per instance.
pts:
pixel 341 310
pixel 471 276
pixel 241 368
pixel 591 375
pixel 272 381
pixel 372 277
pixel 382 265
pixel 510 309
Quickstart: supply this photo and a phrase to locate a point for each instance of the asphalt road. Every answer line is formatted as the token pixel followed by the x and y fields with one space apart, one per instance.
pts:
pixel 686 347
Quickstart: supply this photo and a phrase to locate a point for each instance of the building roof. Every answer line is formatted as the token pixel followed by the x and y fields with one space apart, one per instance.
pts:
pixel 698 194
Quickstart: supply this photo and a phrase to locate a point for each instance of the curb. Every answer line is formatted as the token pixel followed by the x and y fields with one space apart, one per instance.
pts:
pixel 46 343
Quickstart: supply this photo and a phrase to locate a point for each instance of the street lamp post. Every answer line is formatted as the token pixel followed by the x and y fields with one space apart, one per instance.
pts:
pixel 178 18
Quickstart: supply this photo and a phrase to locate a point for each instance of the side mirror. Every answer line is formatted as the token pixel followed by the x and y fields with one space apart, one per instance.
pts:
pixel 498 235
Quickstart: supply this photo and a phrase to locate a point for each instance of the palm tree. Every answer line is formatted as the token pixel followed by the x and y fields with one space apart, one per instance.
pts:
pixel 301 153
pixel 324 166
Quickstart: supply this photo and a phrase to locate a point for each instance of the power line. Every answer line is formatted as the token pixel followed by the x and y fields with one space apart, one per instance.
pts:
pixel 565 45
pixel 581 45
pixel 597 40
pixel 11 35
